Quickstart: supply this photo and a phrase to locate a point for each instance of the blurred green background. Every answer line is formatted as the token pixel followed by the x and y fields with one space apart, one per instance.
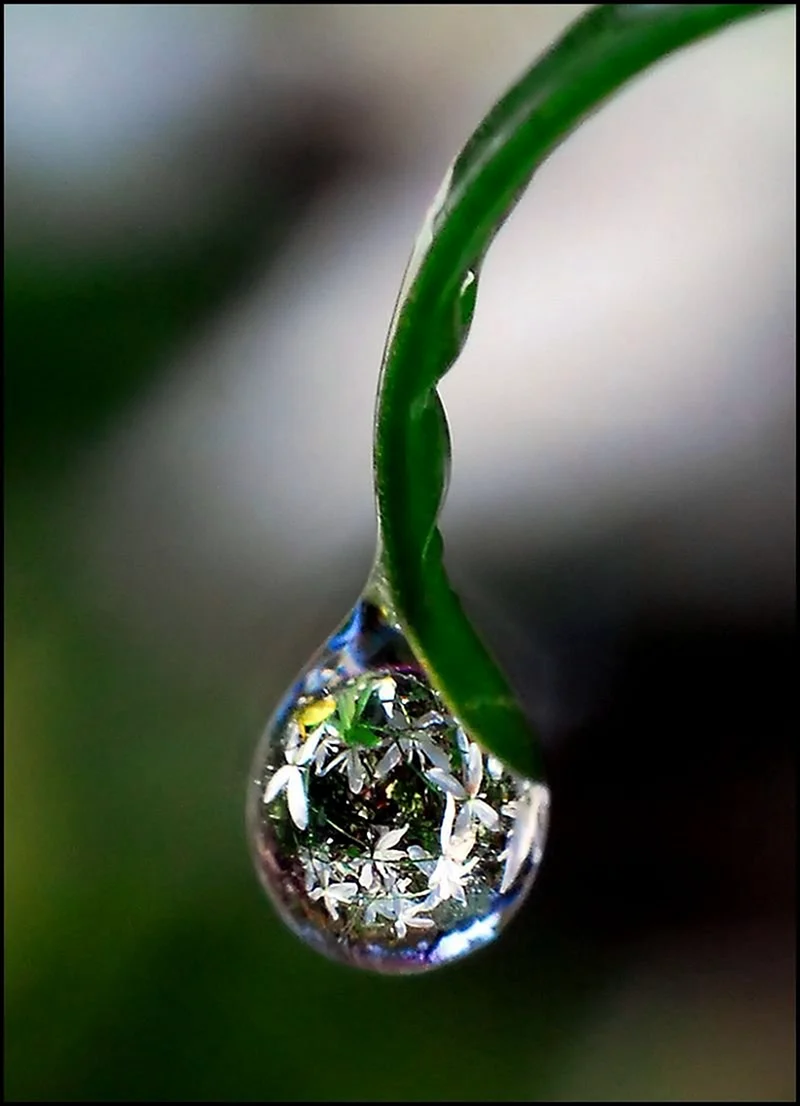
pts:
pixel 208 209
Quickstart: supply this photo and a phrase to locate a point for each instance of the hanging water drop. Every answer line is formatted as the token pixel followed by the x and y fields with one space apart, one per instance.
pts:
pixel 383 833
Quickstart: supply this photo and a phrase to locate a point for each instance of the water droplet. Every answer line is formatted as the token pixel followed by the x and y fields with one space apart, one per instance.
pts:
pixel 465 305
pixel 384 835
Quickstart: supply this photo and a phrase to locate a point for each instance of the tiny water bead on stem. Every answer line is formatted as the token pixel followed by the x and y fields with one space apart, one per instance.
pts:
pixel 377 832
pixel 397 811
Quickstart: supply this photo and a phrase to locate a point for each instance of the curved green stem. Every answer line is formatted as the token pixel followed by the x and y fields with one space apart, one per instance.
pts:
pixel 596 56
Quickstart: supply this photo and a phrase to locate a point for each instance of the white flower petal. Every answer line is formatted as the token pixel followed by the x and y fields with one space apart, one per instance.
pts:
pixel 485 813
pixel 294 736
pixel 337 760
pixel 516 856
pixel 356 773
pixel 389 761
pixel 278 782
pixel 416 922
pixel 467 868
pixel 463 821
pixel 435 755
pixel 326 746
pixel 494 767
pixel 474 770
pixel 298 803
pixel 308 748
pixel 384 870
pixel 460 847
pixel 389 839
pixel 423 860
pixel 445 782
pixel 446 831
pixel 343 892
pixel 531 813
pixel 366 877
pixel 382 906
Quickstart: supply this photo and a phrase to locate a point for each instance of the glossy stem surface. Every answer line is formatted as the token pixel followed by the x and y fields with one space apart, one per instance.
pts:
pixel 594 58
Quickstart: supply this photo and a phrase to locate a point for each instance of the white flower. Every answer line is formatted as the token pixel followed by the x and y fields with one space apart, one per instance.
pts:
pixel 291 777
pixel 385 845
pixel 316 868
pixel 333 894
pixel 408 917
pixel 473 808
pixel 384 855
pixel 384 905
pixel 447 878
pixel 397 907
pixel 419 744
pixel 330 743
pixel 350 762
pixel 527 833
pixel 387 905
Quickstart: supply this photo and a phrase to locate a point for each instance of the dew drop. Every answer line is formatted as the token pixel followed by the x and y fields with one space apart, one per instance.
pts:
pixel 385 836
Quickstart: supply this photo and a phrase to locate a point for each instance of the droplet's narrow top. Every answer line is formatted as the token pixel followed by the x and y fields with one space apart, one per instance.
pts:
pixel 385 836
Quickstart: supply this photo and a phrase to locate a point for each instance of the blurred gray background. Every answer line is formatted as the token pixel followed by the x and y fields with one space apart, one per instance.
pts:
pixel 208 213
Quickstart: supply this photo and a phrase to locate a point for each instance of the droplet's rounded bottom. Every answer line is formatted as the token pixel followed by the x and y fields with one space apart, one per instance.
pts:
pixel 384 835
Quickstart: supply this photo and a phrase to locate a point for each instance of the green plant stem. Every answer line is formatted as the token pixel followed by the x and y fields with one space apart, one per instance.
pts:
pixel 596 56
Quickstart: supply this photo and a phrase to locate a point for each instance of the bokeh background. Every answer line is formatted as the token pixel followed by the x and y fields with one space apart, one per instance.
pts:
pixel 208 212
